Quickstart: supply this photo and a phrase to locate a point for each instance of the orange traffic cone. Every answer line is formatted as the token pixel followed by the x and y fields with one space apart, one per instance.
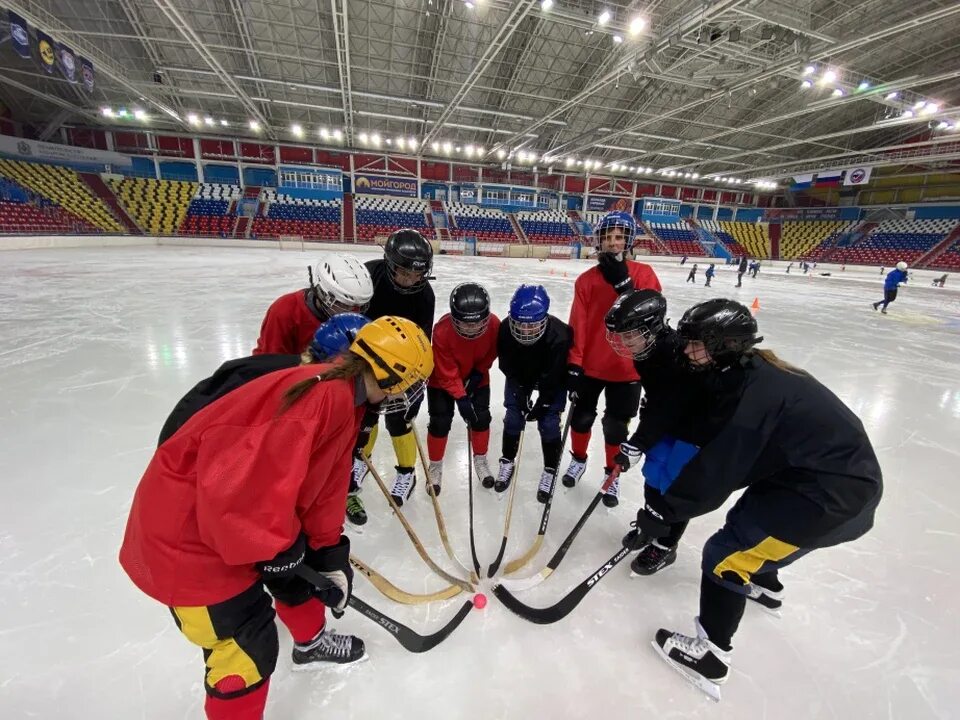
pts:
pixel 756 305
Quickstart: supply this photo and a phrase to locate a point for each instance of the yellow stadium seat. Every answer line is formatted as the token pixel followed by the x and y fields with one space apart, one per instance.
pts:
pixel 755 237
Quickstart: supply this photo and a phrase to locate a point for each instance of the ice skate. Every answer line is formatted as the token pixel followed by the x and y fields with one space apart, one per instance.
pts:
pixel 575 471
pixel 328 649
pixel 611 498
pixel 403 485
pixel 435 475
pixel 504 476
pixel 653 558
pixel 547 478
pixel 696 658
pixel 482 469
pixel 357 474
pixel 356 514
pixel 770 600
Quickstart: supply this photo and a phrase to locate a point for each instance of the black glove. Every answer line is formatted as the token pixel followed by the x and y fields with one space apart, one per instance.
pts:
pixel 651 523
pixel 574 381
pixel 333 563
pixel 411 412
pixel 467 411
pixel 286 562
pixel 628 456
pixel 615 272
pixel 538 409
pixel 472 382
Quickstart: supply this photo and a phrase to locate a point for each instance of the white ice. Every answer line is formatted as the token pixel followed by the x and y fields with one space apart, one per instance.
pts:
pixel 96 346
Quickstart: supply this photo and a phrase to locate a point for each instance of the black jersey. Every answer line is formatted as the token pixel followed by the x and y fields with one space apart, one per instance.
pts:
pixel 803 455
pixel 541 366
pixel 418 306
pixel 229 376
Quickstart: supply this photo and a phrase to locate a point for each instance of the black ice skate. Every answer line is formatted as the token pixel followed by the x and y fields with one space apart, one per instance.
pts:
pixel 356 514
pixel 636 539
pixel 611 498
pixel 504 476
pixel 653 558
pixel 547 478
pixel 403 485
pixel 482 469
pixel 328 649
pixel 696 658
pixel 435 475
pixel 769 600
pixel 575 471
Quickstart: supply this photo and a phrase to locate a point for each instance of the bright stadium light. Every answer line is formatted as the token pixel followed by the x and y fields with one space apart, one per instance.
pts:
pixel 864 85
pixel 324 133
pixel 193 119
pixel 907 114
pixel 435 146
pixel 919 104
pixel 569 162
pixel 481 151
pixel 828 77
pixel 501 154
pixel 546 4
pixel 930 109
pixel 447 147
pixel 363 137
pixel 375 139
pixel 208 121
pixel 106 112
pixel 297 129
pixel 139 114
pixel 604 17
pixel 809 70
pixel 837 92
pixel 892 95
pixel 412 142
pixel 637 25
pixel 255 126
pixel 618 39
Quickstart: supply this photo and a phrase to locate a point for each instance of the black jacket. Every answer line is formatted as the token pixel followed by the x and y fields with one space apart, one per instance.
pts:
pixel 811 474
pixel 229 376
pixel 541 366
pixel 418 306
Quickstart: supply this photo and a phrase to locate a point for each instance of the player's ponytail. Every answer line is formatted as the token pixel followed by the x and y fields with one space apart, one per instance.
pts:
pixel 346 365
pixel 770 357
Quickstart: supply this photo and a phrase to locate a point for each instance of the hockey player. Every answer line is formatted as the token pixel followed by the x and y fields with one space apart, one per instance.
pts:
pixel 465 346
pixel 895 278
pixel 811 476
pixel 338 284
pixel 401 287
pixel 532 347
pixel 711 271
pixel 692 277
pixel 741 269
pixel 637 329
pixel 593 367
pixel 250 487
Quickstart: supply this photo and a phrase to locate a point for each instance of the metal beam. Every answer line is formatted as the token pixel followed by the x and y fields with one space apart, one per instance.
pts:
pixel 186 29
pixel 245 40
pixel 54 99
pixel 517 14
pixel 341 34
pixel 54 124
pixel 132 15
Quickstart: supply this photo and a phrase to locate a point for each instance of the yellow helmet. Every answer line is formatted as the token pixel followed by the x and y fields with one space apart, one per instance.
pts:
pixel 398 353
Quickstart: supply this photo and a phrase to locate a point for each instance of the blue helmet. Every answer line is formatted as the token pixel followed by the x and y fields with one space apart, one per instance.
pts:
pixel 336 335
pixel 528 313
pixel 616 220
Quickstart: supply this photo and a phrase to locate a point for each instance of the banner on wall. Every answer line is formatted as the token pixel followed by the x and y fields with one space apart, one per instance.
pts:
pixel 858 176
pixel 19 35
pixel 468 194
pixel 24 149
pixel 86 73
pixel 47 51
pixel 608 204
pixel 68 62
pixel 780 214
pixel 379 185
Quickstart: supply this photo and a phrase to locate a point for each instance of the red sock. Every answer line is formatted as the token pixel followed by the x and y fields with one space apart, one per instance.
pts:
pixel 611 452
pixel 304 621
pixel 481 441
pixel 579 442
pixel 436 447
pixel 244 707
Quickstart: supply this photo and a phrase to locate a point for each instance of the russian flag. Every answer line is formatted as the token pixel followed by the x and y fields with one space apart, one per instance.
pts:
pixel 802 182
pixel 829 178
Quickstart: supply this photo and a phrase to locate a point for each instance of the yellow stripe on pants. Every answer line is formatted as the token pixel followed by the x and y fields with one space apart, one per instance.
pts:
pixel 747 562
pixel 405 448
pixel 225 657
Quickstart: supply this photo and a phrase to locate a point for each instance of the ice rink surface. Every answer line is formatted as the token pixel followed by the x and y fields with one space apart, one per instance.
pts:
pixel 97 345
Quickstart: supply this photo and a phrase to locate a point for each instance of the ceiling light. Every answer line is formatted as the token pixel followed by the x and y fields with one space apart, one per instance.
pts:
pixel 469 5
pixel 225 123
pixel 457 148
pixel 139 114
pixel 546 4
pixel 337 135
pixel 604 17
pixel 106 112
pixel 919 104
pixel 806 85
pixel 892 96
pixel 637 25
pixel 255 126
pixel 388 141
pixel 193 119
pixel 943 125
pixel 570 161
pixel 324 133
pixel 481 151
pixel 930 109
pixel 208 120
pixel 363 137
pixel 412 142
pixel 809 70
pixel 297 130
pixel 828 77
pixel 374 139
pixel 399 142
pixel 617 39
pixel 686 175
pixel 122 112
pixel 864 85
pixel 650 170
pixel 435 146
pixel 907 114
pixel 447 147
pixel 695 176
pixel 837 92
pixel 468 150
pixel 501 153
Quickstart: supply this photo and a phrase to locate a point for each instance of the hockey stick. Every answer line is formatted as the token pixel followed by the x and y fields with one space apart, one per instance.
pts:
pixel 437 512
pixel 495 565
pixel 534 580
pixel 412 641
pixel 559 610
pixel 473 544
pixel 526 557
pixel 388 589
pixel 411 533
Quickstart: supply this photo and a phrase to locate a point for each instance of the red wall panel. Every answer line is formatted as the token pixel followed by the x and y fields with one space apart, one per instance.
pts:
pixel 435 171
pixel 291 154
pixel 257 152
pixel 88 138
pixel 574 184
pixel 176 146
pixel 217 149
pixel 124 141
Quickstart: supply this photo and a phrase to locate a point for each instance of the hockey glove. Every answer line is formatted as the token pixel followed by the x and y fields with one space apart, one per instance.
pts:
pixel 615 272
pixel 286 562
pixel 651 523
pixel 628 456
pixel 411 412
pixel 472 383
pixel 539 409
pixel 467 411
pixel 574 381
pixel 334 564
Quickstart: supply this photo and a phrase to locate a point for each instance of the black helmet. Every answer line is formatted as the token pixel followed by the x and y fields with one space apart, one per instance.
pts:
pixel 470 309
pixel 725 327
pixel 407 249
pixel 636 314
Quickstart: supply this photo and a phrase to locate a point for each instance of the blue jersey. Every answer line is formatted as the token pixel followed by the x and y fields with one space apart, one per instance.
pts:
pixel 894 278
pixel 710 272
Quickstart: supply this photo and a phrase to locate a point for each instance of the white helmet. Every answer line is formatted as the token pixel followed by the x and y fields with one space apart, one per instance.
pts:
pixel 901 265
pixel 342 284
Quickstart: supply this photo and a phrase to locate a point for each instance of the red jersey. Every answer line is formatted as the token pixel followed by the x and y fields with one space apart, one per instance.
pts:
pixel 592 298
pixel 455 357
pixel 237 484
pixel 289 325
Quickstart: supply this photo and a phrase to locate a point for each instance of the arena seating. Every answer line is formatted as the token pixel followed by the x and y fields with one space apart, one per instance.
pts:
pixel 64 188
pixel 799 238
pixel 753 237
pixel 27 218
pixel 485 224
pixel 950 260
pixel 157 206
pixel 377 216
pixel 209 211
pixel 894 240
pixel 678 238
pixel 546 227
pixel 731 243
pixel 286 215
